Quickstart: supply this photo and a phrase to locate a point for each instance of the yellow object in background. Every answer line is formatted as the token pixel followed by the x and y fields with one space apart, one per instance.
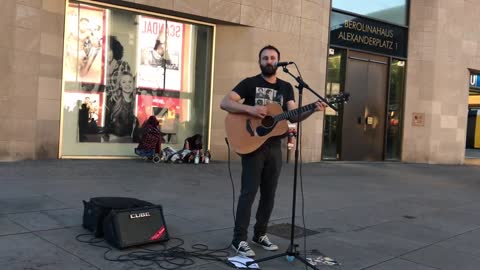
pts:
pixel 476 144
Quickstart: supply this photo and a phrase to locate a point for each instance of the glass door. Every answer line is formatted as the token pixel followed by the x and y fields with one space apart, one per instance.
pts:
pixel 332 122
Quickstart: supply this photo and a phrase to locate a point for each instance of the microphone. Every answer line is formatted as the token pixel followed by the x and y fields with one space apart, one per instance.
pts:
pixel 283 64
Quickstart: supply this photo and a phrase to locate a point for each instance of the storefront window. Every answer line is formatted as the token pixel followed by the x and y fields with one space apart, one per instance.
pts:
pixel 395 110
pixel 394 11
pixel 120 67
pixel 335 85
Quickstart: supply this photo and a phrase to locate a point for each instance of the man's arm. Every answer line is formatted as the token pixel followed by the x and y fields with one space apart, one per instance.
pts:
pixel 291 105
pixel 230 103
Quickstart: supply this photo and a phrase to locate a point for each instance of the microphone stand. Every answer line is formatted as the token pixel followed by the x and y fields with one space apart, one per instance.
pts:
pixel 292 252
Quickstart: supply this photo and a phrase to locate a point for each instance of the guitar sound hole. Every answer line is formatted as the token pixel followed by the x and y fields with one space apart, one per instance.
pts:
pixel 268 122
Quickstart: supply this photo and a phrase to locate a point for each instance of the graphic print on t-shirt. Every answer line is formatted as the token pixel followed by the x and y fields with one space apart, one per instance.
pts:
pixel 264 96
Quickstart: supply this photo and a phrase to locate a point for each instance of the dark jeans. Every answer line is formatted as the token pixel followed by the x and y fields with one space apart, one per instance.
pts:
pixel 260 169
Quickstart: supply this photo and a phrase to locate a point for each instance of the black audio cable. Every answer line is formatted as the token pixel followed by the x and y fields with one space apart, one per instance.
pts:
pixel 231 180
pixel 168 256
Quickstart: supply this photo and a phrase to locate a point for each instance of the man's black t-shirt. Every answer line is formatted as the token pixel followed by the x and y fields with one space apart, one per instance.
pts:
pixel 256 91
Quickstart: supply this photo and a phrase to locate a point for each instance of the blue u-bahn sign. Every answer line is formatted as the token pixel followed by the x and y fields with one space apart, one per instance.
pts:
pixel 475 80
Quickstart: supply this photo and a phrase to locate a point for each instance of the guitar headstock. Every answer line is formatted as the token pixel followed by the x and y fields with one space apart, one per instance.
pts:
pixel 340 99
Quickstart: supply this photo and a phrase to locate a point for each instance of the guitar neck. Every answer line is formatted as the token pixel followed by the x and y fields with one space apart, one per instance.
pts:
pixel 295 112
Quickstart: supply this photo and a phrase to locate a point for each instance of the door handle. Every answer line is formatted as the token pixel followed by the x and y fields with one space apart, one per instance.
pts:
pixel 369 120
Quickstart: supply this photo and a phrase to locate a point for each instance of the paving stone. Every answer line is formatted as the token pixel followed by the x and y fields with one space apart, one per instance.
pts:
pixel 9 227
pixel 400 264
pixel 468 243
pixel 50 219
pixel 27 251
pixel 449 220
pixel 28 204
pixel 410 231
pixel 444 258
pixel 380 242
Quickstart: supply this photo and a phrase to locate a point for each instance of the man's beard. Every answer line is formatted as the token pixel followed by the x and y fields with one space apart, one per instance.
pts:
pixel 268 70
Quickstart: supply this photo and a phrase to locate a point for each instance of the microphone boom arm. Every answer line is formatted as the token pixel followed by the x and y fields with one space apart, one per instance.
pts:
pixel 302 84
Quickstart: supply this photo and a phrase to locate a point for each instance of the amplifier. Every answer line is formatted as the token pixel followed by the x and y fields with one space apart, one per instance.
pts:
pixel 136 226
pixel 98 208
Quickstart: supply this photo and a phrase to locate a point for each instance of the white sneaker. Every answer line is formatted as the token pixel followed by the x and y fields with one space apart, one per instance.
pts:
pixel 265 243
pixel 243 249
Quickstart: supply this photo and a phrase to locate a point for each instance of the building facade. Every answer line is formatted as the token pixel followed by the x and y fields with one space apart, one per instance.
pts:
pixel 69 92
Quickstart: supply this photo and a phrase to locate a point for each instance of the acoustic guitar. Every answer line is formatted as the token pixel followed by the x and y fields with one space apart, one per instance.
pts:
pixel 247 133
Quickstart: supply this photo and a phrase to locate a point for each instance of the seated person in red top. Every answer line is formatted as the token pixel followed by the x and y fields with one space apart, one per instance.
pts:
pixel 151 141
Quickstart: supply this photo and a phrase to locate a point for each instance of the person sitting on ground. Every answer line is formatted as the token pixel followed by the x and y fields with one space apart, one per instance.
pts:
pixel 151 141
pixel 193 147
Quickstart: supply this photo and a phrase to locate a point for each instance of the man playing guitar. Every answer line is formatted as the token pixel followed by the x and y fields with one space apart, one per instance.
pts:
pixel 260 165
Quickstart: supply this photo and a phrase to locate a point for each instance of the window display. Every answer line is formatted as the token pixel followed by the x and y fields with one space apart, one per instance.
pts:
pixel 122 67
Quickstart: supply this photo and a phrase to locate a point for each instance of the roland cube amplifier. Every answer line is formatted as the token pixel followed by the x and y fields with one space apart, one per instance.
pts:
pixel 135 226
pixel 98 208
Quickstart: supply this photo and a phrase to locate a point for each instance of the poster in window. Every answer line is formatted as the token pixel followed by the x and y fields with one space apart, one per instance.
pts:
pixel 84 44
pixel 166 109
pixel 160 54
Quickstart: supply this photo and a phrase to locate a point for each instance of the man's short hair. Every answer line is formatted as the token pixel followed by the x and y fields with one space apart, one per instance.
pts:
pixel 268 47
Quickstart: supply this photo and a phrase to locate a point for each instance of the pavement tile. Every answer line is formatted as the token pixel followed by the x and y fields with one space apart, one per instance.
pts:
pixel 9 227
pixel 324 225
pixel 380 242
pixel 28 204
pixel 468 243
pixel 206 217
pixel 50 219
pixel 210 266
pixel 410 231
pixel 444 258
pixel 400 264
pixel 449 220
pixel 359 217
pixel 178 226
pixel 27 251
pixel 473 207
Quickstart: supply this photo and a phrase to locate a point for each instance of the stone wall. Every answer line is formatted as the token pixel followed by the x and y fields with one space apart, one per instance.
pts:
pixel 444 43
pixel 31 49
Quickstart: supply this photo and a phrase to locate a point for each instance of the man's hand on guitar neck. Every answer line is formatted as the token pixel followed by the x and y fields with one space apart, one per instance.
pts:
pixel 257 111
pixel 320 106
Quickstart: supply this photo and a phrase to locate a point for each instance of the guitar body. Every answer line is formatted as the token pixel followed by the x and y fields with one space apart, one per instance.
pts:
pixel 247 133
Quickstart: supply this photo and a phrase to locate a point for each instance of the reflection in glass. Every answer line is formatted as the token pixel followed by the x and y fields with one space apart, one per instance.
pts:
pixel 395 110
pixel 335 85
pixel 122 67
pixel 394 11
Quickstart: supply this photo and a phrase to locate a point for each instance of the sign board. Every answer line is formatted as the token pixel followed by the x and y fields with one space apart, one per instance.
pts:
pixel 367 35
pixel 474 80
